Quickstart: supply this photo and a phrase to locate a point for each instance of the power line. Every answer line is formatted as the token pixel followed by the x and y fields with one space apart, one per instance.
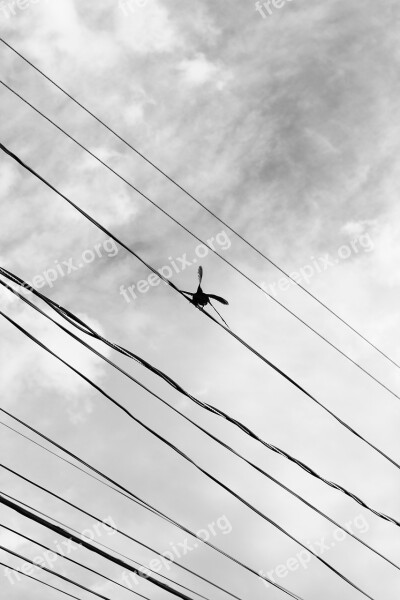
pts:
pixel 71 560
pixel 249 279
pixel 82 326
pixel 203 206
pixel 94 222
pixel 126 535
pixel 135 562
pixel 67 579
pixel 129 495
pixel 373 378
pixel 186 457
pixel 140 566
pixel 217 440
pixel 229 331
pixel 132 497
pixel 39 581
pixel 63 532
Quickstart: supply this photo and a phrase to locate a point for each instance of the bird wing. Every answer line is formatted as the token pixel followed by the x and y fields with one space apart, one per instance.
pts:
pixel 200 274
pixel 218 298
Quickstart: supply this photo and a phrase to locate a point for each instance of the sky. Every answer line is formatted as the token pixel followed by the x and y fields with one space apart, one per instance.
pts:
pixel 286 126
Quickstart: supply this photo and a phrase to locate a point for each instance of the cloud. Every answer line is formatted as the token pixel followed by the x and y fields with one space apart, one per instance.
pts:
pixel 31 370
pixel 354 228
pixel 10 540
pixel 198 71
pixel 146 29
pixel 298 150
pixel 61 27
pixel 386 256
pixel 8 178
pixel 118 203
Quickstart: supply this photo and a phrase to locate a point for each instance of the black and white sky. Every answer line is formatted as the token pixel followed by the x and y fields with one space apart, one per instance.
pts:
pixel 286 125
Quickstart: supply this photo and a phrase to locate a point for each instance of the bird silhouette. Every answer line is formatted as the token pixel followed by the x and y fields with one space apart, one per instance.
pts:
pixel 201 299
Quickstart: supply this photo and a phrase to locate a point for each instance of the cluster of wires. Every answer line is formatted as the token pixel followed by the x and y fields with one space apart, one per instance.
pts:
pixel 71 325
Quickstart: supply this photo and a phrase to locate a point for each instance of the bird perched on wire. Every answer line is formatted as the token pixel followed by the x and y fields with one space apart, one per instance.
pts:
pixel 201 299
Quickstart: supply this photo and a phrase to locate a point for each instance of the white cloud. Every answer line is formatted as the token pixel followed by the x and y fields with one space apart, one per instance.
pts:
pixel 8 177
pixel 30 367
pixel 151 74
pixel 352 228
pixel 74 46
pixel 148 28
pixel 11 540
pixel 386 256
pixel 199 70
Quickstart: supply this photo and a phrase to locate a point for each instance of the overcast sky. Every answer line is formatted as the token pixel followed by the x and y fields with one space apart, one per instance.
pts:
pixel 287 126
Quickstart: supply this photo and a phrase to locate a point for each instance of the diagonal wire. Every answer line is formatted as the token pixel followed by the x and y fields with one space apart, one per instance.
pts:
pixel 39 581
pixel 219 441
pixel 71 529
pixel 71 560
pixel 67 579
pixel 132 498
pixel 122 533
pixel 82 326
pixel 121 490
pixel 225 260
pixel 229 331
pixel 186 457
pixel 203 206
pixel 63 532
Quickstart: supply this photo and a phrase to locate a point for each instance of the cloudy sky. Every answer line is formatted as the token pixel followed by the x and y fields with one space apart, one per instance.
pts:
pixel 285 125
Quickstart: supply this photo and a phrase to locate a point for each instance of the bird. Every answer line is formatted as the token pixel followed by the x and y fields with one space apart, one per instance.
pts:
pixel 201 299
